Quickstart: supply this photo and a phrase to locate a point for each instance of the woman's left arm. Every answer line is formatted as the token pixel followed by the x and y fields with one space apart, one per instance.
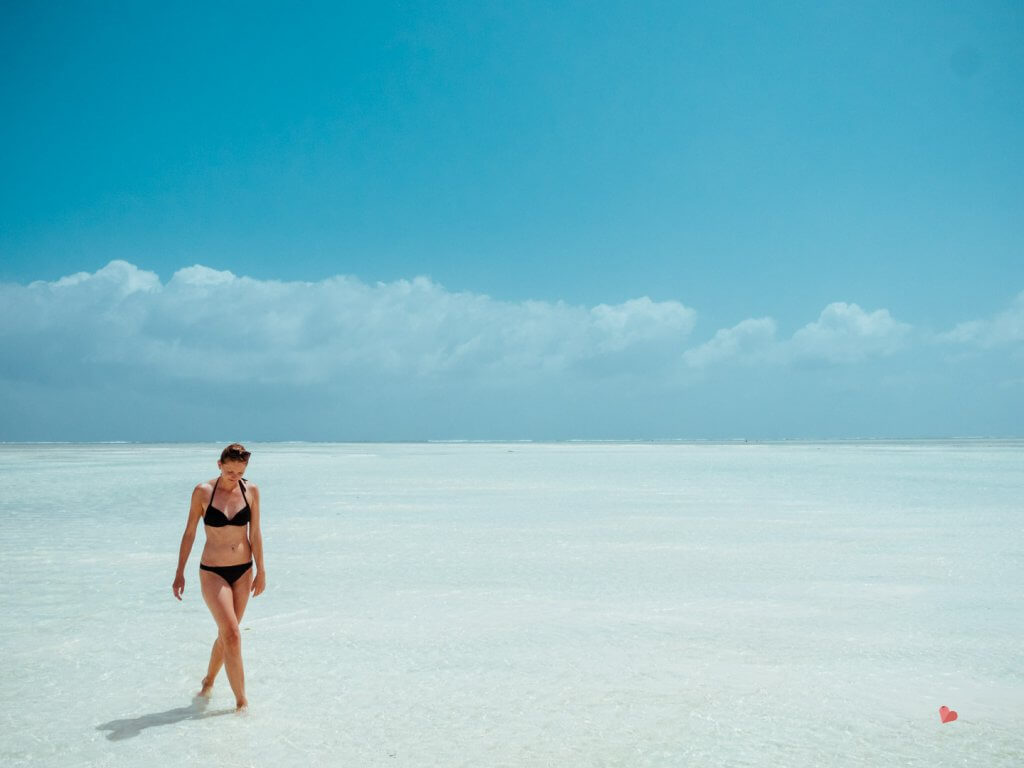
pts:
pixel 256 542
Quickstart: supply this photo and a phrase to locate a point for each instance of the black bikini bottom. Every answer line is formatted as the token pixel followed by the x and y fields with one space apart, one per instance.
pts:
pixel 230 573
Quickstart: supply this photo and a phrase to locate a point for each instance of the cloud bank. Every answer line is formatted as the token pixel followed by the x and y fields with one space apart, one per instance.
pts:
pixel 1001 330
pixel 412 352
pixel 213 325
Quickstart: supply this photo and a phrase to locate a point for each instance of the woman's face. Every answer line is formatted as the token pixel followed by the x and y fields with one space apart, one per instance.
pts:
pixel 232 470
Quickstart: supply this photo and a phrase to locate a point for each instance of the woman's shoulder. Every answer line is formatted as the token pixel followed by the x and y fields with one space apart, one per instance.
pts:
pixel 205 487
pixel 250 486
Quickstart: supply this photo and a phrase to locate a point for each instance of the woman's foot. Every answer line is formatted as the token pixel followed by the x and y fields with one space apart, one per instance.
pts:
pixel 207 690
pixel 242 705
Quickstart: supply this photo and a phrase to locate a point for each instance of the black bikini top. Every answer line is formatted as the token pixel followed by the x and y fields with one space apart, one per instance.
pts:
pixel 217 519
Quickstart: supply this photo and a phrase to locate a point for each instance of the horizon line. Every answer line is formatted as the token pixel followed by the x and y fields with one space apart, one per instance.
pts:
pixel 576 440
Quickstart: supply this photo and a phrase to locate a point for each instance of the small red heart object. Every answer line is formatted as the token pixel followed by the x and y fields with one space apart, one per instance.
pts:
pixel 947 715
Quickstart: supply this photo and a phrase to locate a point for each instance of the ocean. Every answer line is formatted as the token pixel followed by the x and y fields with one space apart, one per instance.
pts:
pixel 788 604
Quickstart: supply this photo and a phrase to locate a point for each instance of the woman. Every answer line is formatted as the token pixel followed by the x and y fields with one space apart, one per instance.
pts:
pixel 225 567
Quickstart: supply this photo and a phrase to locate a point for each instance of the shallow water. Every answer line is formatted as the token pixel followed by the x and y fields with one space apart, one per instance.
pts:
pixel 580 604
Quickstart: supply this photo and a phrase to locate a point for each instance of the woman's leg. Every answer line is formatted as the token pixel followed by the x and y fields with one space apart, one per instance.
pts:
pixel 216 662
pixel 240 598
pixel 219 597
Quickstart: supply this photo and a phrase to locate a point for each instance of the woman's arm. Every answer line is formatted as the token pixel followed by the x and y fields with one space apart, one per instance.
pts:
pixel 195 514
pixel 256 542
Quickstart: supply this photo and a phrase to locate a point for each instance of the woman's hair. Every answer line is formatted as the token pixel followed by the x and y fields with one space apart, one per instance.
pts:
pixel 235 452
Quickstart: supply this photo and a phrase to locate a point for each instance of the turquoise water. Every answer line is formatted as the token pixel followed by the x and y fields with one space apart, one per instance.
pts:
pixel 580 604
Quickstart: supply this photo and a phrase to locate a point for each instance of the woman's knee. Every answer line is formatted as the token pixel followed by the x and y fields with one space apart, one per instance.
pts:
pixel 230 637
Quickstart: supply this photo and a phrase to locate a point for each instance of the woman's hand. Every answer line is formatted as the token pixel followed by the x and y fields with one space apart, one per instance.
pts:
pixel 178 587
pixel 259 583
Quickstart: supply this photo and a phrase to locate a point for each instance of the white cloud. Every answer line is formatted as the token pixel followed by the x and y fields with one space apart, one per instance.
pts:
pixel 119 276
pixel 200 275
pixel 640 320
pixel 845 333
pixel 746 341
pixel 120 354
pixel 206 324
pixel 1000 330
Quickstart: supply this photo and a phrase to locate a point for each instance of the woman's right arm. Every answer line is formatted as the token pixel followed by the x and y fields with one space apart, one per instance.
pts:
pixel 195 514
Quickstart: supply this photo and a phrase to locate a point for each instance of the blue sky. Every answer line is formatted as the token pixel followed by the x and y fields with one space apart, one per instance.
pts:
pixel 811 198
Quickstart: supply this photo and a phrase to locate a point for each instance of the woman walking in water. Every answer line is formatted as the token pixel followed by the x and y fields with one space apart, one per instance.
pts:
pixel 233 541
